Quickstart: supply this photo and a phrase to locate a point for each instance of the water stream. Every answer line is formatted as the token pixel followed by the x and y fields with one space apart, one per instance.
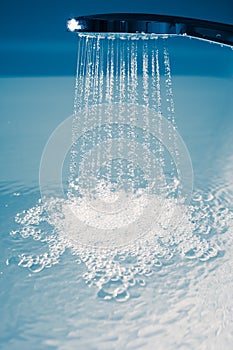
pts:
pixel 127 214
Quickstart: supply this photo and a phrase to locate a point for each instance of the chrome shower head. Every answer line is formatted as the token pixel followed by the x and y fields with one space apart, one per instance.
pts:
pixel 152 23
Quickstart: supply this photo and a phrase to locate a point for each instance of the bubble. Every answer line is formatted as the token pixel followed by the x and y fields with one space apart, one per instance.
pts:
pixel 36 267
pixel 118 273
pixel 141 282
pixel 13 260
pixel 16 194
pixel 122 295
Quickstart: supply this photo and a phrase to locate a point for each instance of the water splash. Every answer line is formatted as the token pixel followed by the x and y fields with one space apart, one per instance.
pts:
pixel 126 215
pixel 118 273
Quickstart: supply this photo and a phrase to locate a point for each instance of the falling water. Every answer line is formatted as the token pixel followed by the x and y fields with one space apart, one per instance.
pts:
pixel 117 74
pixel 126 215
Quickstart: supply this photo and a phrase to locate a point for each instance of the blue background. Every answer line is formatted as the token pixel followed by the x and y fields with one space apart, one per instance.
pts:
pixel 34 39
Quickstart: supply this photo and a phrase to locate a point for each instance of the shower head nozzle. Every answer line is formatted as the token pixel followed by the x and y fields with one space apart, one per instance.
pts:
pixel 152 23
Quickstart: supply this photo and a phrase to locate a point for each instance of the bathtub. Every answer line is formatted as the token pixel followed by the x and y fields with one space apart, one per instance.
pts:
pixel 185 304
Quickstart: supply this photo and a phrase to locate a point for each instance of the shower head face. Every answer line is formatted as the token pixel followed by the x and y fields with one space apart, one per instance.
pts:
pixel 152 24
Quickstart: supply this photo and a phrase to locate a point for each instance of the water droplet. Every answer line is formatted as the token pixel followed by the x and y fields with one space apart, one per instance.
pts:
pixel 16 194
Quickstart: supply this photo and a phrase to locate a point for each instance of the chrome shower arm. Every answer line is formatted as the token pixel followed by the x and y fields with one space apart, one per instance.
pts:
pixel 152 23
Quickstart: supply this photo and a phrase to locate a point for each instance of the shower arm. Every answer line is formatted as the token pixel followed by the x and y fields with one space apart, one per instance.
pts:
pixel 153 24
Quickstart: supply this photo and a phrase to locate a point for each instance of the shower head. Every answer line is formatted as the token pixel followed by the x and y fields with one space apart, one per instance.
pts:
pixel 151 23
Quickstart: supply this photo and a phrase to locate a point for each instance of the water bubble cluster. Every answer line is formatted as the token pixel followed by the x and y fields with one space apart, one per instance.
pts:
pixel 118 273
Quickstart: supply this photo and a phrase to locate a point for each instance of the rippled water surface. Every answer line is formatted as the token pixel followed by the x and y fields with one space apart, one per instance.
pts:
pixel 170 288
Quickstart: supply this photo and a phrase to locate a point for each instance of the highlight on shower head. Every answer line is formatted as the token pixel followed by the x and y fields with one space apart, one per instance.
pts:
pixel 152 24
